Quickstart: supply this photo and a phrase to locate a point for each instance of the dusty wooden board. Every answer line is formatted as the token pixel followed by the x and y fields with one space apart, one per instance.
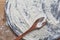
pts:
pixel 5 31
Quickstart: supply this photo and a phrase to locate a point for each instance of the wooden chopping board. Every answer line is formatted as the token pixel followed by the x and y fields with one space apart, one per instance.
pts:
pixel 5 31
pixel 2 4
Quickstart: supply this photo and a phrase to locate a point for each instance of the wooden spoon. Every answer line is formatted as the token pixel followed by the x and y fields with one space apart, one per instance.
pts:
pixel 32 28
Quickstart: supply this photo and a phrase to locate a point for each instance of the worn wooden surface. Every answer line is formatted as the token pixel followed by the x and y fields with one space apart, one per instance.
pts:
pixel 5 31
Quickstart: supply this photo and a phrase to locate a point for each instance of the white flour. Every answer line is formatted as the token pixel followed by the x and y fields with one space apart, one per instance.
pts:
pixel 21 14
